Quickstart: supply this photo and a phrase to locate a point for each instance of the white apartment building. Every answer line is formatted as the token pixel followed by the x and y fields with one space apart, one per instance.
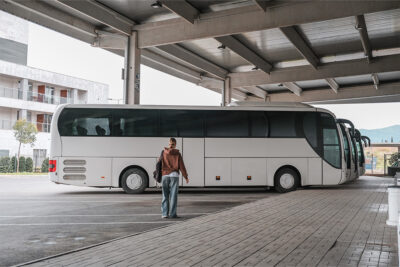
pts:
pixel 33 94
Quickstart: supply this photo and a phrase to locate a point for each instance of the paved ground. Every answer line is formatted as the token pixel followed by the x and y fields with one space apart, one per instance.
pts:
pixel 342 225
pixel 39 218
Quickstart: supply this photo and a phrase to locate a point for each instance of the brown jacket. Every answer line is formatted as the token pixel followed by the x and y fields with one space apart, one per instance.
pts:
pixel 172 161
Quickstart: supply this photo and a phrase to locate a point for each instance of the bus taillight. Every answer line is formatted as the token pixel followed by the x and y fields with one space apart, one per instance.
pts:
pixel 52 165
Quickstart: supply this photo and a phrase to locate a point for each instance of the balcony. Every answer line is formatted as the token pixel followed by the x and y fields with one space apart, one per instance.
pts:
pixel 34 97
pixel 8 125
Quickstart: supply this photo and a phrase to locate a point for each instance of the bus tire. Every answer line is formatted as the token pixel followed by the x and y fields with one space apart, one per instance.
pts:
pixel 286 180
pixel 134 181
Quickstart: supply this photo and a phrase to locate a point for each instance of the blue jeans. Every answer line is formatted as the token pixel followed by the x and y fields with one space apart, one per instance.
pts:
pixel 169 195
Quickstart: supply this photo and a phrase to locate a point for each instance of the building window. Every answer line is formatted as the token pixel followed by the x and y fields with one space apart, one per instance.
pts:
pixel 49 95
pixel 29 116
pixel 39 155
pixel 30 92
pixel 43 122
pixel 4 153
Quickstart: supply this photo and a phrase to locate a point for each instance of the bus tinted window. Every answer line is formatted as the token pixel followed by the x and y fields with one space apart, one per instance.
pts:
pixel 310 128
pixel 136 122
pixel 258 124
pixel 84 122
pixel 191 123
pixel 227 124
pixel 282 124
pixel 182 123
pixel 169 122
pixel 330 139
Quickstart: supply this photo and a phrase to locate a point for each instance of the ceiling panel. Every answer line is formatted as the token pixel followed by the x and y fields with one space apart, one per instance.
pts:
pixel 270 44
pixel 208 49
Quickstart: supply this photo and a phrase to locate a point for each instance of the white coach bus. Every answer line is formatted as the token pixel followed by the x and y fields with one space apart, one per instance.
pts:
pixel 276 145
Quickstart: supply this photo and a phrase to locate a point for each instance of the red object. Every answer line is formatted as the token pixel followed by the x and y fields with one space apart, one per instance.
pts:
pixel 52 165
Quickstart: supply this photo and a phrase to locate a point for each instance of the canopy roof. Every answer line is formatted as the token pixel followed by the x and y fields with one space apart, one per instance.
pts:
pixel 301 51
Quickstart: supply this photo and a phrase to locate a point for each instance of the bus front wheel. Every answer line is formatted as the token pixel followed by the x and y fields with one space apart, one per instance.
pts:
pixel 134 181
pixel 286 180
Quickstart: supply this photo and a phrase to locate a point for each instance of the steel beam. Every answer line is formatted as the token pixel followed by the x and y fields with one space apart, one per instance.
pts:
pixel 375 79
pixel 239 48
pixel 50 17
pixel 328 70
pixel 262 4
pixel 361 26
pixel 166 69
pixel 218 86
pixel 333 84
pixel 167 63
pixel 101 14
pixel 301 45
pixel 293 87
pixel 182 9
pixel 251 19
pixel 257 91
pixel 359 94
pixel 196 61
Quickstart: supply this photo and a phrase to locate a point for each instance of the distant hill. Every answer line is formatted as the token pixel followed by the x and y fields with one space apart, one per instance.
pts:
pixel 382 134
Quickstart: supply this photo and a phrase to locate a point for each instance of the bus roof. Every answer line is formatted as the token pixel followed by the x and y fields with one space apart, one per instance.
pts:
pixel 262 106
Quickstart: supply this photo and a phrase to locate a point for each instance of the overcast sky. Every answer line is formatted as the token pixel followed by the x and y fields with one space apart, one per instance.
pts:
pixel 55 52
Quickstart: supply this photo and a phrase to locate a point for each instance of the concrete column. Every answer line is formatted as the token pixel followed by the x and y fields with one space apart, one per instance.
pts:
pixel 226 92
pixel 74 96
pixel 132 71
pixel 24 87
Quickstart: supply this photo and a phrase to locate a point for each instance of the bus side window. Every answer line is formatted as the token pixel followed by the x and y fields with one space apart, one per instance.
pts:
pixel 283 124
pixel 138 122
pixel 227 124
pixel 310 128
pixel 258 124
pixel 191 124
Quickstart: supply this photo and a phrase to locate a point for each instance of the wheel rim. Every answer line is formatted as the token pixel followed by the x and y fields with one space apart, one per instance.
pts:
pixel 287 181
pixel 134 181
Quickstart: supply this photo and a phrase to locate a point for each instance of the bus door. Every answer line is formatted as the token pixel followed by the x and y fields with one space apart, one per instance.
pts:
pixel 346 146
pixel 354 155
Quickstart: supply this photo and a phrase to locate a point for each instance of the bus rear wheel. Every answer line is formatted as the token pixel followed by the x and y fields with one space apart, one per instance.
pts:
pixel 134 181
pixel 286 180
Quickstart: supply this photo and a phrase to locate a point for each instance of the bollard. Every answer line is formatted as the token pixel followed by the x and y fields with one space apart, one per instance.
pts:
pixel 394 202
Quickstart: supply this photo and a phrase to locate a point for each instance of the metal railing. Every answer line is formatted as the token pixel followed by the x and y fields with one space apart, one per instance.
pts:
pixel 41 127
pixel 33 96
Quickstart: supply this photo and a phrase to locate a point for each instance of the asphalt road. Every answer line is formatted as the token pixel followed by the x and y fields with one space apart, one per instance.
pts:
pixel 39 218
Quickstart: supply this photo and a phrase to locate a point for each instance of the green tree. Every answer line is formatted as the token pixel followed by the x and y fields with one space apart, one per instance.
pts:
pixel 13 164
pixel 22 164
pixel 29 165
pixel 25 133
pixel 45 165
pixel 4 164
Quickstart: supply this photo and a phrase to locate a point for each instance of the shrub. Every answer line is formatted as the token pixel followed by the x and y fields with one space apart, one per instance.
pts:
pixel 45 165
pixel 13 164
pixel 29 165
pixel 22 164
pixel 394 159
pixel 5 164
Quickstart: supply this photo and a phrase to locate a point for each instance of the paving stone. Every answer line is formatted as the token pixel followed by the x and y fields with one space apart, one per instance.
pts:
pixel 339 226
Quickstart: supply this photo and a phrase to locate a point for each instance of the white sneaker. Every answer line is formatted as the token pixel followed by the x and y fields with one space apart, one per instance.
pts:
pixel 164 217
